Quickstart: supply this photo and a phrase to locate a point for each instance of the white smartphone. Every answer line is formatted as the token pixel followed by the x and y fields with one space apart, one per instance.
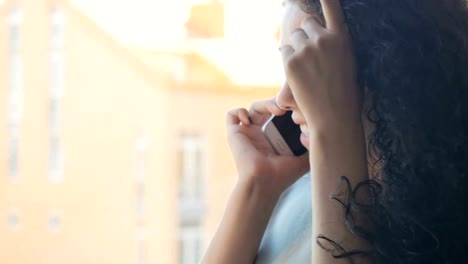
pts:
pixel 284 135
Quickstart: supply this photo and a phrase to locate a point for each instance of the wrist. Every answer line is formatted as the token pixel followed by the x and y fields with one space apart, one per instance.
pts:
pixel 340 150
pixel 258 189
pixel 337 132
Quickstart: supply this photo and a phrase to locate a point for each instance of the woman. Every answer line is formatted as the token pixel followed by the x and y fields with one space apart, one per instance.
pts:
pixel 380 92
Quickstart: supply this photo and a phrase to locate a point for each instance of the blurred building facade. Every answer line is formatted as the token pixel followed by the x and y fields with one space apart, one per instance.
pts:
pixel 109 154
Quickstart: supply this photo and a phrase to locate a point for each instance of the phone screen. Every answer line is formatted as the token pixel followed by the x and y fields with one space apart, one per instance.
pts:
pixel 290 132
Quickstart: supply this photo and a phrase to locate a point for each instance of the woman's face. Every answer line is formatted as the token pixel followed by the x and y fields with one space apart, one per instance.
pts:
pixel 292 18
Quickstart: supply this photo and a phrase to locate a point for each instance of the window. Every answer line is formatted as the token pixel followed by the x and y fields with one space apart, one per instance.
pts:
pixel 55 161
pixel 56 56
pixel 54 222
pixel 191 211
pixel 56 94
pixel 54 116
pixel 14 116
pixel 140 206
pixel 191 167
pixel 13 142
pixel 56 75
pixel 13 220
pixel 55 154
pixel 14 22
pixel 190 244
pixel 57 29
pixel 15 105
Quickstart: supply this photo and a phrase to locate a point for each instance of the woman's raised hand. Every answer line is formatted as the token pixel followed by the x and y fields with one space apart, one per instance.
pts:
pixel 255 158
pixel 320 70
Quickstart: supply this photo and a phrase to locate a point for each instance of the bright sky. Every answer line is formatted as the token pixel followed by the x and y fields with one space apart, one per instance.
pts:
pixel 249 54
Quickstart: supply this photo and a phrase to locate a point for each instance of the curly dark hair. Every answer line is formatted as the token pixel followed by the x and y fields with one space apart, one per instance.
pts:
pixel 412 58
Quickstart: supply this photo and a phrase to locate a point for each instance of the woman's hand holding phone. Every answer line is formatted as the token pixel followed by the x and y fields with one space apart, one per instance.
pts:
pixel 263 176
pixel 256 160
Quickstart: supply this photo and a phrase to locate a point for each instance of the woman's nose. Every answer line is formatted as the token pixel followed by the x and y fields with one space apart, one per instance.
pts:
pixel 285 99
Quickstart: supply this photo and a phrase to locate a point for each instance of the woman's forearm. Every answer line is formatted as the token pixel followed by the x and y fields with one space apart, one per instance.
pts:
pixel 332 155
pixel 241 229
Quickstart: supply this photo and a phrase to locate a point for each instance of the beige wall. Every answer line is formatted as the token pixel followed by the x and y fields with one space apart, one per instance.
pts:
pixel 109 98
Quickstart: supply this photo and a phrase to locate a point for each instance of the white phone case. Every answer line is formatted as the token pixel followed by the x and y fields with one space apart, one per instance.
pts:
pixel 275 138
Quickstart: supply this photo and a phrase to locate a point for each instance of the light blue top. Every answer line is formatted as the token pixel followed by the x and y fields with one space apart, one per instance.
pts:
pixel 287 238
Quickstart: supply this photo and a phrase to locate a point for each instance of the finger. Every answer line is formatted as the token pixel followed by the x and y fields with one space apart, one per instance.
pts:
pixel 298 39
pixel 286 52
pixel 333 14
pixel 262 110
pixel 238 116
pixel 312 27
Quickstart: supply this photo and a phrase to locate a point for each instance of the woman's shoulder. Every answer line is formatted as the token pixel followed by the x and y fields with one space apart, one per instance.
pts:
pixel 287 237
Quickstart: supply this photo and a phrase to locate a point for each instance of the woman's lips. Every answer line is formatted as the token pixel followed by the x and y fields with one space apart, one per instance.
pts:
pixel 305 140
pixel 304 129
pixel 304 135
